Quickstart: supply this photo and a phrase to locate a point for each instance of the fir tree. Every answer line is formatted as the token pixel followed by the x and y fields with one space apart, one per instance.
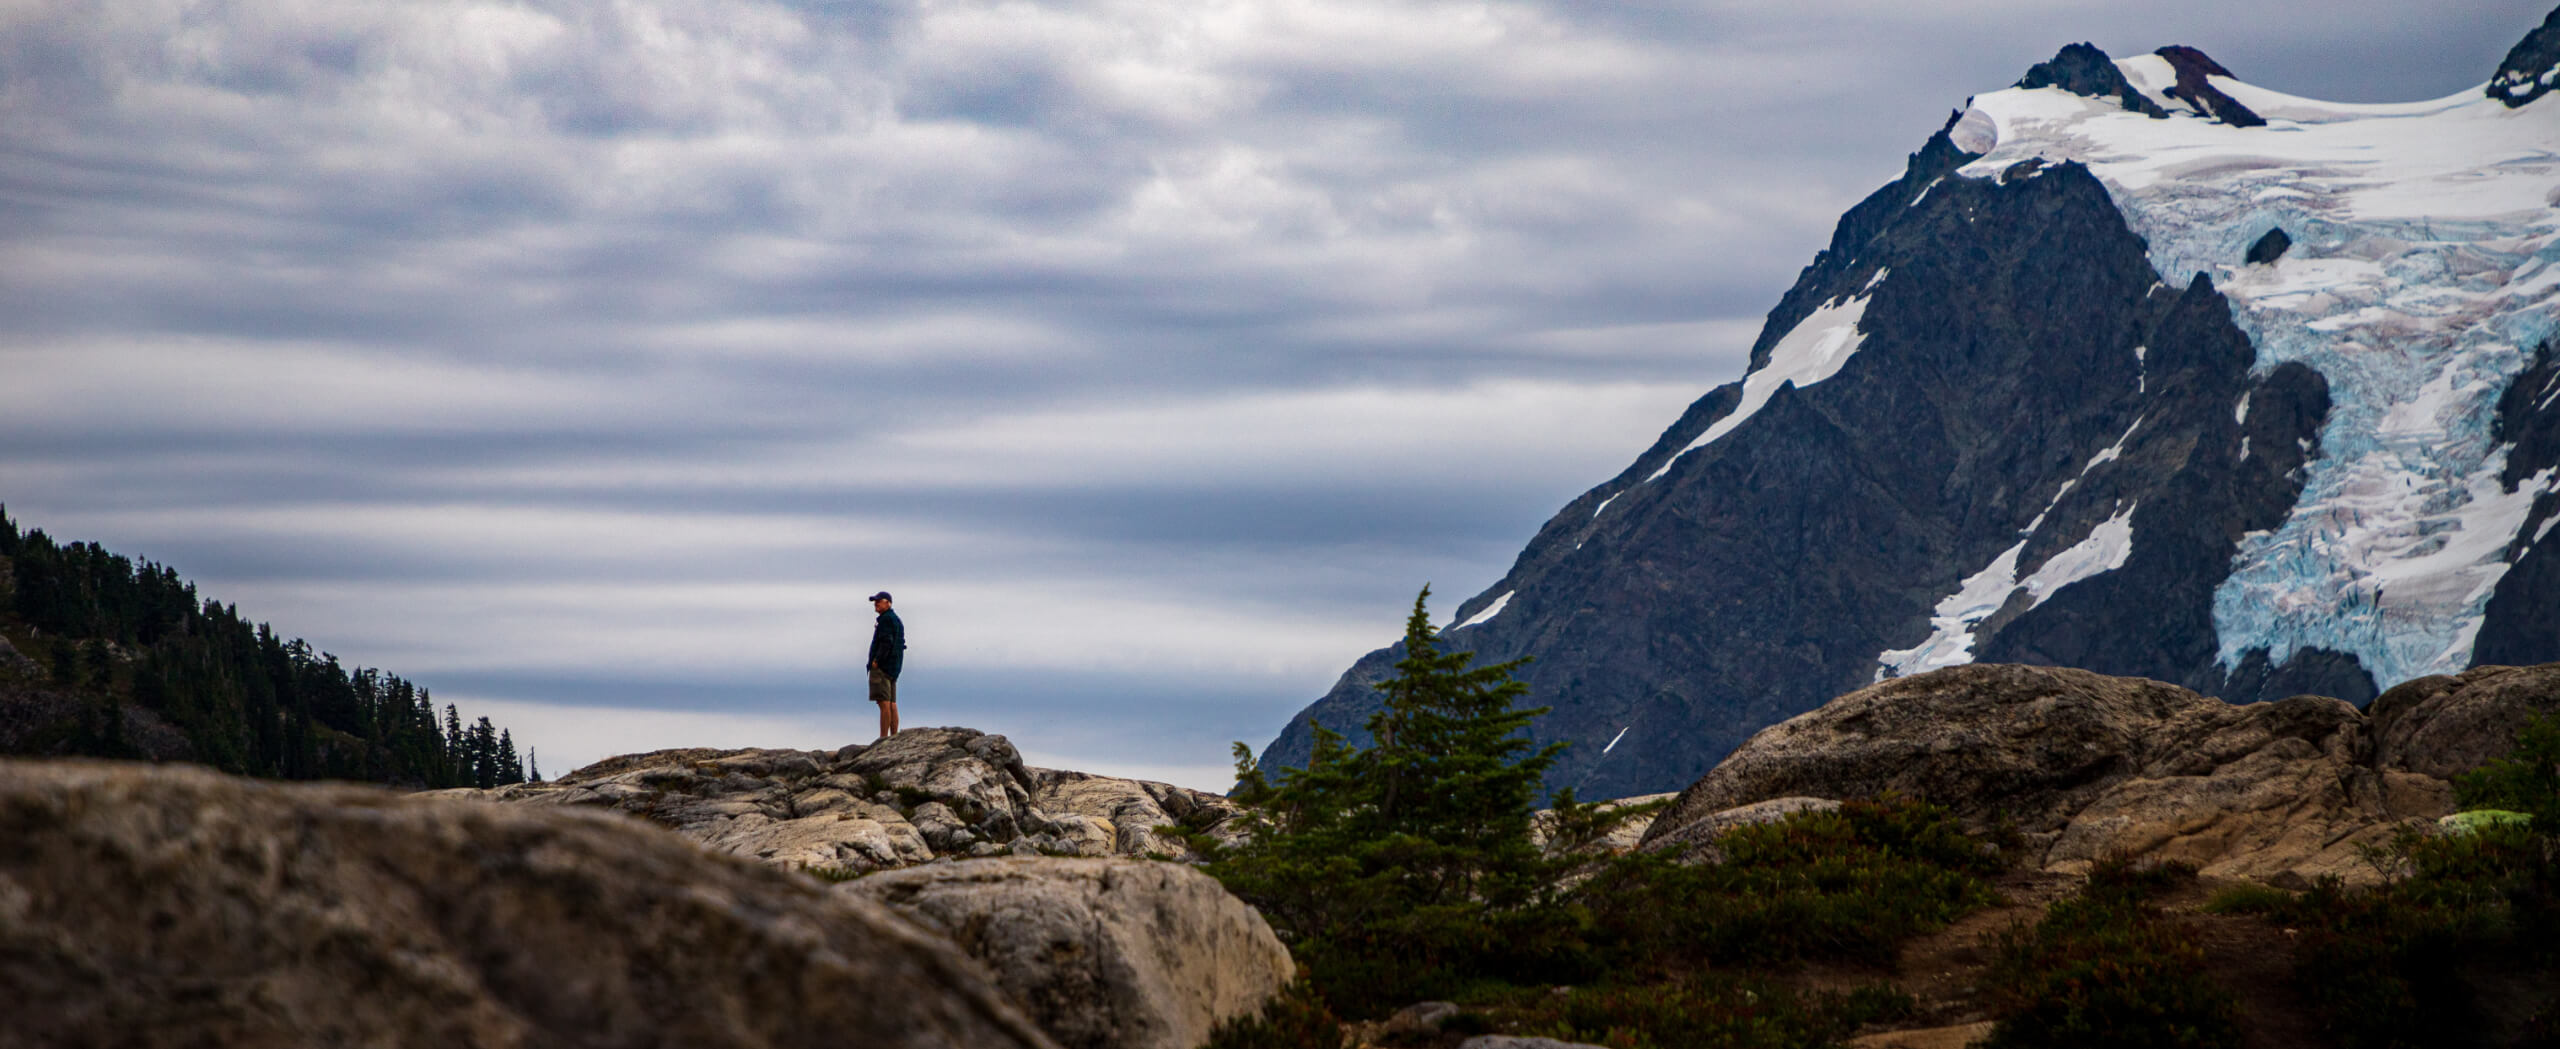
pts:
pixel 1370 860
pixel 457 753
pixel 484 754
pixel 510 770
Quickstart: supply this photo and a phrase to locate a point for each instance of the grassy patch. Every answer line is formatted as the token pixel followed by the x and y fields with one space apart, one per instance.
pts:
pixel 2248 897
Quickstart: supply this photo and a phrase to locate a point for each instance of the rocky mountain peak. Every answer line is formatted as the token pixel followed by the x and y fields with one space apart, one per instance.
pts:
pixel 2082 69
pixel 2532 66
pixel 2193 67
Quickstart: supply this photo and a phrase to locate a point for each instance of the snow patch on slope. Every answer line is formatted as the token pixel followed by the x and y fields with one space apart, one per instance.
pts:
pixel 1485 616
pixel 1953 623
pixel 2420 276
pixel 1812 351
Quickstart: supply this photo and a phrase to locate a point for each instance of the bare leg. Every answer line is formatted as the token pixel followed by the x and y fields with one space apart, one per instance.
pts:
pixel 889 718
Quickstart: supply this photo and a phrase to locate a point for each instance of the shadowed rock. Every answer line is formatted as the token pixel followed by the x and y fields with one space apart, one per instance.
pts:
pixel 2082 69
pixel 2270 247
pixel 2193 67
pixel 2532 67
pixel 157 906
pixel 2445 725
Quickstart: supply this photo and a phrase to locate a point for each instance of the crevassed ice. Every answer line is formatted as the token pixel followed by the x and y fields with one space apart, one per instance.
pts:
pixel 2419 281
pixel 1812 351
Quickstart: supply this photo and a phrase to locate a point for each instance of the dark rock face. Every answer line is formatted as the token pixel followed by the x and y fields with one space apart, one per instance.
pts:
pixel 2529 71
pixel 2521 624
pixel 1765 571
pixel 2270 247
pixel 2084 765
pixel 2193 67
pixel 2082 69
pixel 147 906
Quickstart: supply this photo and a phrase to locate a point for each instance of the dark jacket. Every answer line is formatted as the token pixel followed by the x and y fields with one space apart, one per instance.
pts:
pixel 889 644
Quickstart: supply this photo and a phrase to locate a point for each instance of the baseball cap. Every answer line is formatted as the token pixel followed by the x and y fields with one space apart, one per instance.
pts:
pixel 881 596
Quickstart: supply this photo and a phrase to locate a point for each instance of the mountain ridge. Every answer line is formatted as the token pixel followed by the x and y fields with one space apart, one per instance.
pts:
pixel 1994 332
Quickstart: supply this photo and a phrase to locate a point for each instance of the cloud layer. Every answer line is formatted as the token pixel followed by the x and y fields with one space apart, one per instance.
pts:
pixel 597 356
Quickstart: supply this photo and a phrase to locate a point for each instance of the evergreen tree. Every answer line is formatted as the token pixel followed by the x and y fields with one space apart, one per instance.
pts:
pixel 510 770
pixel 1371 861
pixel 457 754
pixel 484 754
pixel 533 766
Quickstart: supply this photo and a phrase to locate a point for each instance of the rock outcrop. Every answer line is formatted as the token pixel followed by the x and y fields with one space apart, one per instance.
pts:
pixel 2083 765
pixel 1103 953
pixel 921 795
pixel 2531 67
pixel 150 906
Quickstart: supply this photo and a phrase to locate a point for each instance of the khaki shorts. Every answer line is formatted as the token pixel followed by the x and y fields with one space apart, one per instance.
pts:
pixel 884 689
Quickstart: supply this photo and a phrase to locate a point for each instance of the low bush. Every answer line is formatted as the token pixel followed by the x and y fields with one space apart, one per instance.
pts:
pixel 2400 965
pixel 1847 885
pixel 2466 914
pixel 2105 969
pixel 1702 1010
pixel 2248 897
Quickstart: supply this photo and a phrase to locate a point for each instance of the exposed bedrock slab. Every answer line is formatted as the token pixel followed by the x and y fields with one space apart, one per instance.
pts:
pixel 2085 765
pixel 923 794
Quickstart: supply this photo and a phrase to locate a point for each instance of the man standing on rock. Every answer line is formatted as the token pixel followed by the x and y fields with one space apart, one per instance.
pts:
pixel 888 654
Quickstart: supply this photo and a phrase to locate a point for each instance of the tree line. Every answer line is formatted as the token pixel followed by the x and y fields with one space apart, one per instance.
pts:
pixel 113 631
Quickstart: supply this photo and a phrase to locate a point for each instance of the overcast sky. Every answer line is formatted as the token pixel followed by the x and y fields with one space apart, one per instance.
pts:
pixel 588 362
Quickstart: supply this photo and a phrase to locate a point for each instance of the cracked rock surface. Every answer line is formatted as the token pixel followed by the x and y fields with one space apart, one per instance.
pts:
pixel 921 795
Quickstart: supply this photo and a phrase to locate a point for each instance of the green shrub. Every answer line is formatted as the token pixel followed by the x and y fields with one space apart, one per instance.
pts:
pixel 2399 966
pixel 1847 885
pixel 2105 970
pixel 1706 1010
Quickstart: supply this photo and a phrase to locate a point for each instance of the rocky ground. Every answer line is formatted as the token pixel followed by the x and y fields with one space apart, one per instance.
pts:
pixel 166 905
pixel 921 795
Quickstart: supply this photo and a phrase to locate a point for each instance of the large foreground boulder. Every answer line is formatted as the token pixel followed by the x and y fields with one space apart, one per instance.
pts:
pixel 147 906
pixel 1104 954
pixel 2083 765
pixel 921 795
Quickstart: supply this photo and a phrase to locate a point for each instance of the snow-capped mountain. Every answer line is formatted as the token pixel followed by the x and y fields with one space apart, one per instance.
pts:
pixel 2138 368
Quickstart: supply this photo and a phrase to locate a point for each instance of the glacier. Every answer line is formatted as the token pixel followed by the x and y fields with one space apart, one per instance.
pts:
pixel 2420 279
